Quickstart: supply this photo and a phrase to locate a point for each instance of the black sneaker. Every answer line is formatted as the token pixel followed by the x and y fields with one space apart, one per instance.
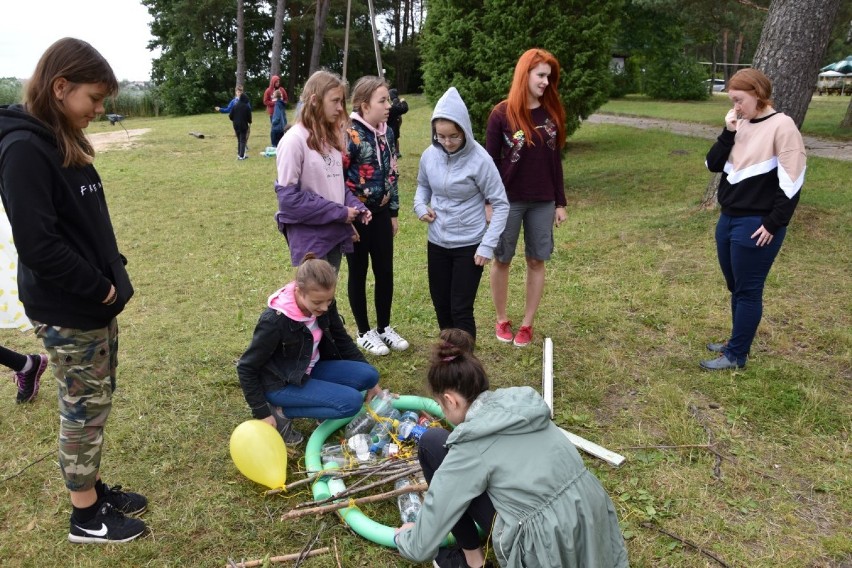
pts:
pixel 124 501
pixel 284 425
pixel 453 558
pixel 29 382
pixel 108 525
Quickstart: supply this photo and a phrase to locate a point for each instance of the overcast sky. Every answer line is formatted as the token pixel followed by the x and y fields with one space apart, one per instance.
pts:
pixel 116 28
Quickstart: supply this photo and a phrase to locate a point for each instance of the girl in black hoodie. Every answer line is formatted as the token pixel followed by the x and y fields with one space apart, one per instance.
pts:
pixel 71 277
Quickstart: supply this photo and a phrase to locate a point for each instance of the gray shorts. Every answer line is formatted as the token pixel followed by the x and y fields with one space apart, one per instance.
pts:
pixel 537 218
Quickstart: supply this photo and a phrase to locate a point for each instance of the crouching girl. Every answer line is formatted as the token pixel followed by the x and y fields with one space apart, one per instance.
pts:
pixel 508 468
pixel 301 363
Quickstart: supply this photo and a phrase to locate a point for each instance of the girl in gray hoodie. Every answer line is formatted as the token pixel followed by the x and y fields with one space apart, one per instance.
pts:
pixel 457 178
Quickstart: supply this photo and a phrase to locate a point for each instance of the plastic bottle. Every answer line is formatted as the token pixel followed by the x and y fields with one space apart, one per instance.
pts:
pixel 360 445
pixel 409 503
pixel 382 405
pixel 425 418
pixel 334 453
pixel 380 436
pixel 410 431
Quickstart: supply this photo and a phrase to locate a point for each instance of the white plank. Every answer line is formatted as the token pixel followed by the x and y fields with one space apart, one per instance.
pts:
pixel 547 373
pixel 592 448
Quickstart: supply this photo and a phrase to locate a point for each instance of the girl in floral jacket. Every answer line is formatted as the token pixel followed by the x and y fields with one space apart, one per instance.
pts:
pixel 370 171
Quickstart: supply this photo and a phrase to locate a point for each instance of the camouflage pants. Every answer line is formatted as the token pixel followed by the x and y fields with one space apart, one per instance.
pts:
pixel 84 364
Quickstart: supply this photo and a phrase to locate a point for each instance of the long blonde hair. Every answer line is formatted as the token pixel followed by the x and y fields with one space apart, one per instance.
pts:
pixel 312 114
pixel 78 63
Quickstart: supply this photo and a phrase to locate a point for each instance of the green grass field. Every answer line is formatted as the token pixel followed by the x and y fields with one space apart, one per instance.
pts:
pixel 633 294
pixel 823 117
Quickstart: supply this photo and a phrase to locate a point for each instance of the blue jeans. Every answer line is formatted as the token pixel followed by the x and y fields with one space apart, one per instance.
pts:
pixel 745 267
pixel 333 390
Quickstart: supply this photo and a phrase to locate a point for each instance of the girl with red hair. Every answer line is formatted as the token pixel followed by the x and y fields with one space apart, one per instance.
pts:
pixel 525 136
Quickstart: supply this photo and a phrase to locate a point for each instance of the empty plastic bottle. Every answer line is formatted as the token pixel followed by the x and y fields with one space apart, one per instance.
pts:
pixel 382 405
pixel 360 445
pixel 334 453
pixel 409 503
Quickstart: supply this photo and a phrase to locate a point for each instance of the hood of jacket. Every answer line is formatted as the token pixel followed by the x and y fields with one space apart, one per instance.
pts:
pixel 505 412
pixel 274 79
pixel 244 98
pixel 14 118
pixel 451 107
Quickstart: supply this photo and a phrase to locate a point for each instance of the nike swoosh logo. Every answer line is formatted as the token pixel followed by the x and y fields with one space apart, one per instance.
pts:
pixel 100 532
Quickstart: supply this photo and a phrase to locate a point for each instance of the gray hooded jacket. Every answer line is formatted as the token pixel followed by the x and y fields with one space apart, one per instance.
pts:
pixel 456 186
pixel 551 511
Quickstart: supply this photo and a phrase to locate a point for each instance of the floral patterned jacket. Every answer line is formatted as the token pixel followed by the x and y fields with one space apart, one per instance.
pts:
pixel 370 168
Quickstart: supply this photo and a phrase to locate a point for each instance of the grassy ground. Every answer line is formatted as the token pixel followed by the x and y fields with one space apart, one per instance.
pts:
pixel 633 294
pixel 823 117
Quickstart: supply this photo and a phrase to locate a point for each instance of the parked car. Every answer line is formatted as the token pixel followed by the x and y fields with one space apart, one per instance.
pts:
pixel 718 85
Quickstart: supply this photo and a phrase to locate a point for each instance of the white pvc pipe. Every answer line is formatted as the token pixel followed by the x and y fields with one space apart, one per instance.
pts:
pixel 547 373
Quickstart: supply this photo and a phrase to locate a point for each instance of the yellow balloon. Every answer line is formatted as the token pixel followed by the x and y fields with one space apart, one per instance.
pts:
pixel 259 453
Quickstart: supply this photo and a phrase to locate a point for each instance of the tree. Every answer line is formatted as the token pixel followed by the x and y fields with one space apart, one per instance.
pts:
pixel 275 68
pixel 319 33
pixel 241 43
pixel 791 48
pixel 473 45
pixel 847 120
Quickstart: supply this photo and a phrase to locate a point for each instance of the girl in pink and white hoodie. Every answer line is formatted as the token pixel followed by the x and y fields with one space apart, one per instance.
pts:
pixel 301 363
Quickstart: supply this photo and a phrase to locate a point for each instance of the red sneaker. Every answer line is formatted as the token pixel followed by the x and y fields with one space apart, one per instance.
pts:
pixel 524 336
pixel 504 331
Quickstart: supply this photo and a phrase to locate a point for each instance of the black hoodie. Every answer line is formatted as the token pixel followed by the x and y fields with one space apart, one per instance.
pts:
pixel 240 115
pixel 67 252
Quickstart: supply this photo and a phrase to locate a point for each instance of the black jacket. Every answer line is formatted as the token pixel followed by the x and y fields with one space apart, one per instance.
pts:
pixel 240 115
pixel 68 255
pixel 280 352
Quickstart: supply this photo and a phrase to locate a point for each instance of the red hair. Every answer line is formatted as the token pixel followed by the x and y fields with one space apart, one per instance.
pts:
pixel 518 113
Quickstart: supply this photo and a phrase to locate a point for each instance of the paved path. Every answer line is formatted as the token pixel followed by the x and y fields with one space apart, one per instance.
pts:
pixel 822 147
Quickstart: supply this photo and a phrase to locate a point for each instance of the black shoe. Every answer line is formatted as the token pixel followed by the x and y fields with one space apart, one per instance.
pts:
pixel 124 501
pixel 29 382
pixel 720 363
pixel 108 525
pixel 284 425
pixel 453 558
pixel 717 347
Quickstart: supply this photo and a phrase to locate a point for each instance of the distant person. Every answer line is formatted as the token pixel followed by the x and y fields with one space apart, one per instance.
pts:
pixel 509 469
pixel 398 108
pixel 71 276
pixel 301 363
pixel 227 109
pixel 274 85
pixel 240 116
pixel 761 157
pixel 525 137
pixel 370 169
pixel 28 370
pixel 279 119
pixel 456 179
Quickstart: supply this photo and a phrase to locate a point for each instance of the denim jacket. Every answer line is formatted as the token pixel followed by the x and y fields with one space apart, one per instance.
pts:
pixel 280 352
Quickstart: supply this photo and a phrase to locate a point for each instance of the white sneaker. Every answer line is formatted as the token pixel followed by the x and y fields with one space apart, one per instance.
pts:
pixel 372 343
pixel 393 339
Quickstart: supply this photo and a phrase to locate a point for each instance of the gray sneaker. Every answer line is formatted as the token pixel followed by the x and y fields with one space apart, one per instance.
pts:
pixel 284 425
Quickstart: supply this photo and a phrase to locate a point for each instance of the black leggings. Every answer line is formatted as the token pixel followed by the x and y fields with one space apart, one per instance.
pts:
pixel 431 453
pixel 453 282
pixel 12 359
pixel 376 245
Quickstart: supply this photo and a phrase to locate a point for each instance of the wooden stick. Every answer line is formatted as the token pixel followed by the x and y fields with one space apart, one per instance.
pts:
pixel 296 513
pixel 353 489
pixel 278 559
pixel 687 542
pixel 340 474
pixel 336 555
